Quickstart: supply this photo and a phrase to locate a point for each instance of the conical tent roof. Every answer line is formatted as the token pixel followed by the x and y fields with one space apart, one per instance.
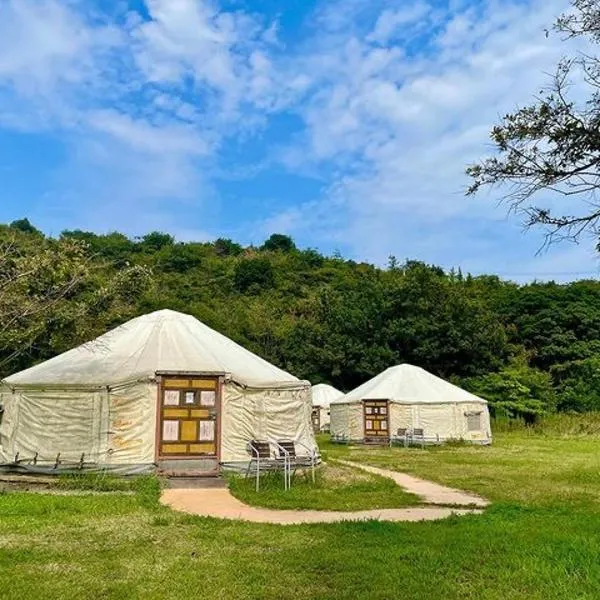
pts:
pixel 164 340
pixel 324 395
pixel 408 384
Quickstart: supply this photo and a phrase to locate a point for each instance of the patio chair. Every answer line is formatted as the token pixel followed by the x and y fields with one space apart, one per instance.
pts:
pixel 261 459
pixel 286 452
pixel 418 435
pixel 401 435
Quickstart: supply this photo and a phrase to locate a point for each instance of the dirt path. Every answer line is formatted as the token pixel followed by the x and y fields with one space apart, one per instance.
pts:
pixel 221 504
pixel 429 492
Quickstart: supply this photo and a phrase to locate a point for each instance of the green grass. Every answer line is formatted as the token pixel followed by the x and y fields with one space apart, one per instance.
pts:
pixel 539 540
pixel 525 467
pixel 95 482
pixel 337 487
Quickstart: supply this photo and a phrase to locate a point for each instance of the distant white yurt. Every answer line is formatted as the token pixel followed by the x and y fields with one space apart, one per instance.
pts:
pixel 322 396
pixel 161 390
pixel 405 398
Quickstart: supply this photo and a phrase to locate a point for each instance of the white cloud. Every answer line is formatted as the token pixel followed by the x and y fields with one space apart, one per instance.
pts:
pixel 147 138
pixel 401 126
pixel 222 52
pixel 390 21
pixel 141 104
pixel 47 43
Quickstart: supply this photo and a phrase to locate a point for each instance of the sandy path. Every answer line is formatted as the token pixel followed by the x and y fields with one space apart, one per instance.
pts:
pixel 221 504
pixel 429 492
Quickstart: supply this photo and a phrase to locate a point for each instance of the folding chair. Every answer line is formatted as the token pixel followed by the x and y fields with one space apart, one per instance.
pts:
pixel 286 451
pixel 260 459
pixel 402 435
pixel 418 434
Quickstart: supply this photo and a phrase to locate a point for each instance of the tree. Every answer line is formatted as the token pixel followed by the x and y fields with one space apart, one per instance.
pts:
pixel 156 240
pixel 253 274
pixel 55 281
pixel 517 391
pixel 25 226
pixel 578 384
pixel 279 243
pixel 225 247
pixel 115 247
pixel 553 145
pixel 180 257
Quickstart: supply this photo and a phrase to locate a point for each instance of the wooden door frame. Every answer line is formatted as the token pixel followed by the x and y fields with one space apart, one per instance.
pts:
pixel 316 409
pixel 387 409
pixel 160 379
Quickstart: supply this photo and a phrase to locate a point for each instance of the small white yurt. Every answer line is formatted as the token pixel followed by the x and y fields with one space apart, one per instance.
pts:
pixel 404 399
pixel 322 396
pixel 161 390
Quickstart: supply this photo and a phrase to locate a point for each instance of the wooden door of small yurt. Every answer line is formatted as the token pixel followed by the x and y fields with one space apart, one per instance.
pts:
pixel 188 417
pixel 376 421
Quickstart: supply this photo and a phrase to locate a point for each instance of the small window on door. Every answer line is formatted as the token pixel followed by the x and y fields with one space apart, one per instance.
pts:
pixel 474 422
pixel 171 398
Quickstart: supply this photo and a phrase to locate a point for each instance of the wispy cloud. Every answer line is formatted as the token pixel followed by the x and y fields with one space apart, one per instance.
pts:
pixel 142 103
pixel 399 126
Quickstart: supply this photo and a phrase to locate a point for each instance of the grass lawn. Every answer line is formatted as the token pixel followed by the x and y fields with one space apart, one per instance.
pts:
pixel 539 540
pixel 336 487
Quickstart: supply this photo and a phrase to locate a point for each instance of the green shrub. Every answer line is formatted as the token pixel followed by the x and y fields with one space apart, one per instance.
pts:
pixel 578 384
pixel 518 392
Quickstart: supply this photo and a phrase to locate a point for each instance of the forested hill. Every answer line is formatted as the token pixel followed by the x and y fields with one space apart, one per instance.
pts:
pixel 527 348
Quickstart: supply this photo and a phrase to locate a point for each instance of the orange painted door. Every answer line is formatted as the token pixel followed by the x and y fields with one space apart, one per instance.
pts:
pixel 188 417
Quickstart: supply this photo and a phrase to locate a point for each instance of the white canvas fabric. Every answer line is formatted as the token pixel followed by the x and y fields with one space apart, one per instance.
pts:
pixel 417 400
pixel 164 340
pixel 411 385
pixel 322 396
pixel 100 398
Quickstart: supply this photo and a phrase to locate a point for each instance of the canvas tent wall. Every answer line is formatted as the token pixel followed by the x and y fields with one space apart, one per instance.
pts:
pixel 408 397
pixel 119 398
pixel 322 396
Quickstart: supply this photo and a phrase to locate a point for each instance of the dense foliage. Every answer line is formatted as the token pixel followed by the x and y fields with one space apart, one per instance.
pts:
pixel 527 348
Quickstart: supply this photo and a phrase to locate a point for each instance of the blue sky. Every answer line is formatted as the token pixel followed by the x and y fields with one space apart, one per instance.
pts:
pixel 346 124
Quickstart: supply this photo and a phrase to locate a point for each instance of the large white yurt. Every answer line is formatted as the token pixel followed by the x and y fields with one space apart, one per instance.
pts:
pixel 322 396
pixel 406 398
pixel 162 389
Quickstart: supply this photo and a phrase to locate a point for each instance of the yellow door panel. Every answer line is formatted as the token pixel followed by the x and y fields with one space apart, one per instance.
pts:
pixel 177 383
pixel 200 413
pixel 206 384
pixel 175 412
pixel 188 431
pixel 203 448
pixel 174 448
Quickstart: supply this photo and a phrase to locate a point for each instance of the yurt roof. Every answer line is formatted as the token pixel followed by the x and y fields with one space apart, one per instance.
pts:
pixel 408 384
pixel 161 341
pixel 324 394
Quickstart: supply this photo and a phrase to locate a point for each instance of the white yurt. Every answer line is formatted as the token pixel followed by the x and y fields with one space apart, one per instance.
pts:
pixel 162 389
pixel 322 396
pixel 405 399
